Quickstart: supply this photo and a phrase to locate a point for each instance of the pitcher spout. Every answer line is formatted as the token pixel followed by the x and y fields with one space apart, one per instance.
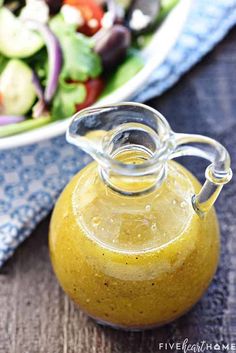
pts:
pixel 127 140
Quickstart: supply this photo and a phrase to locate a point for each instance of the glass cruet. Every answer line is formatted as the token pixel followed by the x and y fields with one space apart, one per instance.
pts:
pixel 134 238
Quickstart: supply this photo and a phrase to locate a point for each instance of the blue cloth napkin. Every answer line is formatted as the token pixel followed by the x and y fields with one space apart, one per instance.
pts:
pixel 32 177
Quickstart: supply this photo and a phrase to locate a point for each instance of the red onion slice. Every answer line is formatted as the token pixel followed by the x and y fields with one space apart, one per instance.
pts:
pixel 39 109
pixel 41 105
pixel 10 119
pixel 54 57
pixel 37 85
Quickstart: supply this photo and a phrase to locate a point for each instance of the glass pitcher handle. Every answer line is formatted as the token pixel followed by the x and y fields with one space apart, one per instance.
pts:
pixel 217 174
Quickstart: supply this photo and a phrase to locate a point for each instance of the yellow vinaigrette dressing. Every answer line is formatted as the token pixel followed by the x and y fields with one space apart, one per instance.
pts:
pixel 130 239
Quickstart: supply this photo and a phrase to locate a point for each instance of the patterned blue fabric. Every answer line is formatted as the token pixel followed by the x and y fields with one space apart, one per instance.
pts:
pixel 32 177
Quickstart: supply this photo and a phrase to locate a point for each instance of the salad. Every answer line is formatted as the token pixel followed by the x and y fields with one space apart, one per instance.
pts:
pixel 59 56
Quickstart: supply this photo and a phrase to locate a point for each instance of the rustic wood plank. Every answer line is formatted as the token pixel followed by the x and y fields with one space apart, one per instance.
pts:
pixel 36 316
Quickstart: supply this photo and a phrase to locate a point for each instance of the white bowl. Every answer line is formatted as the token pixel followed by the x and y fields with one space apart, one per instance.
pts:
pixel 154 55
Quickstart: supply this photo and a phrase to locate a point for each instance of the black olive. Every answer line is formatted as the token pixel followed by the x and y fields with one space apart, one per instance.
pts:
pixel 15 6
pixel 112 46
pixel 54 6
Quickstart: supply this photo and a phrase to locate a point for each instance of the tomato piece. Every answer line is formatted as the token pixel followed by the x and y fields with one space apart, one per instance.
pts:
pixel 94 88
pixel 92 14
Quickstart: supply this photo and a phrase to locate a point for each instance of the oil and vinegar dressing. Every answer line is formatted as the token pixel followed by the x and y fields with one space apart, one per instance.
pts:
pixel 133 261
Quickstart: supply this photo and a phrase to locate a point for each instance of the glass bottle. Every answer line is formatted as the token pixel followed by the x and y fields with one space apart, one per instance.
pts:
pixel 134 238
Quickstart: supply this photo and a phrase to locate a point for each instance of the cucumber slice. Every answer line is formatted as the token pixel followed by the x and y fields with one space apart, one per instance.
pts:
pixel 16 40
pixel 16 88
pixel 27 125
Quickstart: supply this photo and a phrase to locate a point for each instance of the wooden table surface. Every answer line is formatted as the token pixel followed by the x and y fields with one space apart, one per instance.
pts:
pixel 37 317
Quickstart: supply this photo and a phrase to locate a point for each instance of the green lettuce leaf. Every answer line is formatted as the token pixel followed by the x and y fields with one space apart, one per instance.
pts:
pixel 66 98
pixel 3 62
pixel 130 67
pixel 80 62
